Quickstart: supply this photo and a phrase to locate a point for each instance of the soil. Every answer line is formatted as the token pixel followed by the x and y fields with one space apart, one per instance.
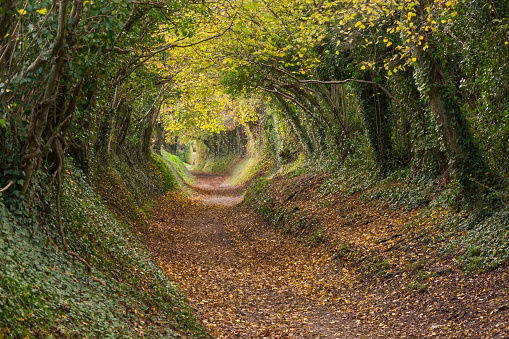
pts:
pixel 248 280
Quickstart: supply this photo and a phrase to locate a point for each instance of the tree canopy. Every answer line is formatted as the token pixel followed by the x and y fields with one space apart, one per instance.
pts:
pixel 423 80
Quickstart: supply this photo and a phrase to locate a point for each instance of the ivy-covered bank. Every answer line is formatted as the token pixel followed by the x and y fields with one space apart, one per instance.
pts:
pixel 366 219
pixel 45 292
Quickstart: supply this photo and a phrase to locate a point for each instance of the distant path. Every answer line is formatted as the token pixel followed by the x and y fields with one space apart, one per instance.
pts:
pixel 245 279
pixel 215 189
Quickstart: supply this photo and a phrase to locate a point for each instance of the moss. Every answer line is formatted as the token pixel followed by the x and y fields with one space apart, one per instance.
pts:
pixel 178 169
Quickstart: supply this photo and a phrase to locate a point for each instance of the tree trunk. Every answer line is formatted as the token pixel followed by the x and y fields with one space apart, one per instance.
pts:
pixel 297 126
pixel 39 121
pixel 148 130
pixel 377 117
pixel 462 150
pixel 39 117
pixel 104 131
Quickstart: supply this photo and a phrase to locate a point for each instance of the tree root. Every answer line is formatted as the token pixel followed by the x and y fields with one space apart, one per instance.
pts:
pixel 59 216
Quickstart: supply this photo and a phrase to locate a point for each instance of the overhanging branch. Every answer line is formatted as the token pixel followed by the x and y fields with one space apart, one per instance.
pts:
pixel 334 82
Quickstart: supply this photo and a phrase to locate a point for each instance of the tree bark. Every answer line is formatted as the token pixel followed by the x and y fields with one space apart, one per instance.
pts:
pixel 39 117
pixel 463 152
pixel 39 121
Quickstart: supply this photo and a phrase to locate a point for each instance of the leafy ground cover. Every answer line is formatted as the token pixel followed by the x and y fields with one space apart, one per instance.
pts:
pixel 46 293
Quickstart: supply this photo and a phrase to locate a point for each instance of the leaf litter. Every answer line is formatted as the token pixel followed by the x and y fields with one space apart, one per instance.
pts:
pixel 248 280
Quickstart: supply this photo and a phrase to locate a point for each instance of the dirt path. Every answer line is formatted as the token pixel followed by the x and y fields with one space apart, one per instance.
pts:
pixel 245 279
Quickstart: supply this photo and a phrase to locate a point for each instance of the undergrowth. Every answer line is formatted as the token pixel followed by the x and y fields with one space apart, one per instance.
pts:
pixel 477 236
pixel 45 293
pixel 247 169
pixel 286 217
pixel 221 165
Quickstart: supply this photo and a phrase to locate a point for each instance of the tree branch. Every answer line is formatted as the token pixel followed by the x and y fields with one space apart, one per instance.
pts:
pixel 59 40
pixel 334 82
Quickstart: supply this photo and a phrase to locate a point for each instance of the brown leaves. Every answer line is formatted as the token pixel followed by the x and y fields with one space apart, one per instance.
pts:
pixel 248 281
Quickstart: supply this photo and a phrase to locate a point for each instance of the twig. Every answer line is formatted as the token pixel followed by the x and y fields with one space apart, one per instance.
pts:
pixel 6 187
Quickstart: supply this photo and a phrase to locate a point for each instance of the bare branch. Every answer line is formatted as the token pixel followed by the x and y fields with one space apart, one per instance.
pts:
pixel 147 57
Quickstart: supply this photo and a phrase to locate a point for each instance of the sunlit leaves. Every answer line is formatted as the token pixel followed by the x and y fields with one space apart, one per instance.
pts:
pixel 409 19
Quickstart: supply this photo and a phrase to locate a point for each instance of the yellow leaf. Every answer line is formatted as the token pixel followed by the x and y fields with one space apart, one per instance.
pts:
pixel 42 11
pixel 358 23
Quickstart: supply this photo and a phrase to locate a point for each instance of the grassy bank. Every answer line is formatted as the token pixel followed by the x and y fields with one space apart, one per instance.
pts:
pixel 178 169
